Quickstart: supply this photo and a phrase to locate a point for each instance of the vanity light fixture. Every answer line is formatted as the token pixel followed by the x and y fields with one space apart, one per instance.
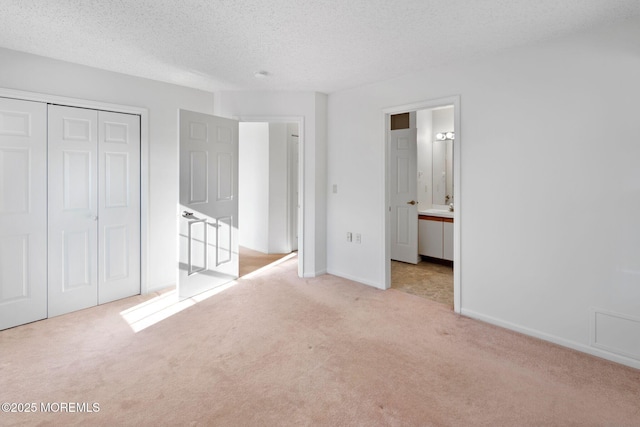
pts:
pixel 444 136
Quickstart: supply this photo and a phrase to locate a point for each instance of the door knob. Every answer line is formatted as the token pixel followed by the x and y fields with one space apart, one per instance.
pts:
pixel 413 202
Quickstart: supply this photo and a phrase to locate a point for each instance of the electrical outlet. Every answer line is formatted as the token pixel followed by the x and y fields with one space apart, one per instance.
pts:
pixel 358 238
pixel 349 236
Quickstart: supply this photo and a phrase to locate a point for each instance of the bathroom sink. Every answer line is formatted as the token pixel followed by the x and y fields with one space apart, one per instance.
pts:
pixel 437 212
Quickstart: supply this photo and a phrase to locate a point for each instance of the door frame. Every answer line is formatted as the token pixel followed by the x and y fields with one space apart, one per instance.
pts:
pixel 299 120
pixel 386 232
pixel 144 157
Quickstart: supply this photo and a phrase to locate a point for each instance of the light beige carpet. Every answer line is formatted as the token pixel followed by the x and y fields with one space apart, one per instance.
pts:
pixel 276 350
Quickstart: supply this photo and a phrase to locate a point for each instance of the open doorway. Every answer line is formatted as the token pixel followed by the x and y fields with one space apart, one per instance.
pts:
pixel 422 146
pixel 268 201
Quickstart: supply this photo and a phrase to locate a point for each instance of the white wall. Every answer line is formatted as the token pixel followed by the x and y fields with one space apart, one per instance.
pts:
pixel 550 200
pixel 21 71
pixel 253 186
pixel 313 108
pixel 278 203
pixel 263 197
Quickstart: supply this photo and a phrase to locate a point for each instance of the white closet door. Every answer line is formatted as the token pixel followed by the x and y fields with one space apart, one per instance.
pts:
pixel 23 212
pixel 119 206
pixel 73 209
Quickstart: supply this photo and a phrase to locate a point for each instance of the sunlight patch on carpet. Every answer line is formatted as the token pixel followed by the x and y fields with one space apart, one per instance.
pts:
pixel 167 304
pixel 164 306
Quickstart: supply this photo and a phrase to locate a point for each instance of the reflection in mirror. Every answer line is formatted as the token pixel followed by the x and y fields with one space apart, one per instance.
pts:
pixel 435 138
pixel 442 169
pixel 442 157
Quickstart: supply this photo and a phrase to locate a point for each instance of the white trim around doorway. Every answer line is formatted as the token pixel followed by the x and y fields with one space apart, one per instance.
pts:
pixel 386 232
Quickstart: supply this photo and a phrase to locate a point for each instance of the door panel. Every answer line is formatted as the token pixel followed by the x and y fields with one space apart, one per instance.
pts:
pixel 15 173
pixel 73 209
pixel 79 129
pixel 402 169
pixel 403 187
pixel 23 212
pixel 119 206
pixel 198 234
pixel 14 279
pixel 208 202
pixel 224 235
pixel 116 256
pixel 77 170
pixel 116 170
pixel 77 257
pixel 402 225
pixel 198 177
pixel 225 176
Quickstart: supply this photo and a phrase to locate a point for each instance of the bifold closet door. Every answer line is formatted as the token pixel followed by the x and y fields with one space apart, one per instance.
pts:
pixel 118 206
pixel 73 209
pixel 94 213
pixel 23 212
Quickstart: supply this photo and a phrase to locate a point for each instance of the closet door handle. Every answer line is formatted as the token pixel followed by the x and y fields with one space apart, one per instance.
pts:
pixel 413 202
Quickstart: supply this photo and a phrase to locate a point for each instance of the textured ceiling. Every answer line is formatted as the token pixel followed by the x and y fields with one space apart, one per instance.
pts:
pixel 317 45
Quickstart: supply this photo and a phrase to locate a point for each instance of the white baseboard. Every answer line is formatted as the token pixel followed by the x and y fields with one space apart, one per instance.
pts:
pixel 158 287
pixel 552 338
pixel 356 279
pixel 315 274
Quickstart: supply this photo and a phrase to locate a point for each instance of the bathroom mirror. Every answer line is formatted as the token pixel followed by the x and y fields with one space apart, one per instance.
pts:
pixel 442 170
pixel 435 138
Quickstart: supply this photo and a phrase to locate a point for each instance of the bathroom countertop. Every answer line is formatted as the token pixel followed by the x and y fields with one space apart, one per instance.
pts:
pixel 437 212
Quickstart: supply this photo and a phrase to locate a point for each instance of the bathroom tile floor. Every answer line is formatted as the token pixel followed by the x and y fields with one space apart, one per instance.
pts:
pixel 426 279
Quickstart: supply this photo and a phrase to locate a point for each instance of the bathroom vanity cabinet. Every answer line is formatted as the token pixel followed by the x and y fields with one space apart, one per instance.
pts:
pixel 435 237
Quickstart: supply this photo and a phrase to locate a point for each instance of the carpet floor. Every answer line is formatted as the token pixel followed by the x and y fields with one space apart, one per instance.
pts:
pixel 277 350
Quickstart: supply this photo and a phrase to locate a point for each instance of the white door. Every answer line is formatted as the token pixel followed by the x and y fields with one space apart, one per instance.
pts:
pixel 118 206
pixel 23 212
pixel 403 198
pixel 208 221
pixel 94 207
pixel 73 209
